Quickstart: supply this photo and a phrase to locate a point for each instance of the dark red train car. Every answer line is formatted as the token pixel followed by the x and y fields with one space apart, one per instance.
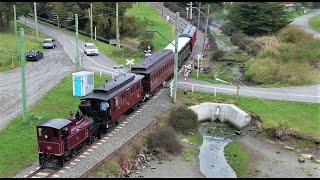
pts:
pixel 61 138
pixel 191 32
pixel 108 102
pixel 156 68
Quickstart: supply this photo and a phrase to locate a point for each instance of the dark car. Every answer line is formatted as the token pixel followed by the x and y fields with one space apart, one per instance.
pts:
pixel 33 55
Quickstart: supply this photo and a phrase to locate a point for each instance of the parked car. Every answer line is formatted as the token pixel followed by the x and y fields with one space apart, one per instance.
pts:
pixel 33 55
pixel 90 49
pixel 49 43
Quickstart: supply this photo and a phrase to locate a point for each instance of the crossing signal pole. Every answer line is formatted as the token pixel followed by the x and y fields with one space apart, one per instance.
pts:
pixel 206 30
pixel 171 89
pixel 23 79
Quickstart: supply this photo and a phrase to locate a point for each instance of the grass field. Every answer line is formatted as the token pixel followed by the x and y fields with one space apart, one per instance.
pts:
pixel 9 50
pixel 301 117
pixel 18 147
pixel 314 23
pixel 142 11
pixel 238 160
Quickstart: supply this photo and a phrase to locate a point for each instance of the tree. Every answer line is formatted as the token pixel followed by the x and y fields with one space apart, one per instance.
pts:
pixel 6 15
pixel 257 18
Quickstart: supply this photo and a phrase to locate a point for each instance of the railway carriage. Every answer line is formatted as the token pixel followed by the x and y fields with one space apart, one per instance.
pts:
pixel 184 50
pixel 108 102
pixel 157 68
pixel 191 32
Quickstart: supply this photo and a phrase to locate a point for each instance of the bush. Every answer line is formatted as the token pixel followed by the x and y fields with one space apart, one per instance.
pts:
pixel 164 138
pixel 227 29
pixel 244 43
pixel 183 119
pixel 294 34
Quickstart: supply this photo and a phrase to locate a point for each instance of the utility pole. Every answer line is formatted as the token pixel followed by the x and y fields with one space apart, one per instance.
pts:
pixel 95 33
pixel 206 30
pixel 175 75
pixel 199 14
pixel 91 20
pixel 35 18
pixel 15 20
pixel 58 21
pixel 23 79
pixel 77 43
pixel 117 26
pixel 190 11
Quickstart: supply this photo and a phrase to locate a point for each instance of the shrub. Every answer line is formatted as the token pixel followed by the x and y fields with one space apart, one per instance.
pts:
pixel 183 119
pixel 227 29
pixel 164 138
pixel 294 34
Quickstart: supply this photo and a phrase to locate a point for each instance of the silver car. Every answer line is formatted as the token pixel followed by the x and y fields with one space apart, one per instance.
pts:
pixel 49 43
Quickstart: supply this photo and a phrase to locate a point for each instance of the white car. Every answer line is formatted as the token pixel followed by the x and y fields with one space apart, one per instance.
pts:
pixel 90 49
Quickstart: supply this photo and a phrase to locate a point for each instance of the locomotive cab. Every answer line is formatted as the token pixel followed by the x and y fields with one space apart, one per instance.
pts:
pixel 51 137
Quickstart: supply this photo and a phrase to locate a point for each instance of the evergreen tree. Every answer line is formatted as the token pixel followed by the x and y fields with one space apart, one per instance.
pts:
pixel 257 18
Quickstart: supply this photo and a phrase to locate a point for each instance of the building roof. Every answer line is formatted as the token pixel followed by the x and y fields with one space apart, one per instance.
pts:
pixel 182 41
pixel 113 87
pixel 148 64
pixel 55 123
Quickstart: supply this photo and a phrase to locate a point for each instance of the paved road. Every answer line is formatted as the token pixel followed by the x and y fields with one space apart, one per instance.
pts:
pixel 41 76
pixel 304 22
pixel 95 63
pixel 301 94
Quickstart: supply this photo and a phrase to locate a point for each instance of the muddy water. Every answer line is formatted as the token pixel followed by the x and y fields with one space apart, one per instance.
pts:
pixel 213 163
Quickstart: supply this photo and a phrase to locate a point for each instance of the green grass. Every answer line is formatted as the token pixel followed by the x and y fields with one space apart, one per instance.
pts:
pixel 238 160
pixel 314 23
pixel 189 153
pixel 18 147
pixel 301 117
pixel 205 77
pixel 9 50
pixel 142 12
pixel 197 139
pixel 110 168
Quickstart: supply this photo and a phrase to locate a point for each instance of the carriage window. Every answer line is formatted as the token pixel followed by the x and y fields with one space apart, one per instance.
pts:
pixel 41 132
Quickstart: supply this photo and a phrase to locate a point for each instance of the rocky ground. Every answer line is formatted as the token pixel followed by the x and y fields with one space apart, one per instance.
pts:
pixel 41 76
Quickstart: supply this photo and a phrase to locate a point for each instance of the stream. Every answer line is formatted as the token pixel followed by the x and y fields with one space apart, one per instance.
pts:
pixel 213 163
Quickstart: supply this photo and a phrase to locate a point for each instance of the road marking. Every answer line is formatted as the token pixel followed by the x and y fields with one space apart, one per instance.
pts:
pixel 82 156
pixel 90 150
pixel 139 111
pixel 99 143
pixel 94 146
pixel 35 177
pixel 106 137
pixel 122 124
pixel 86 153
pixel 103 140
pixel 61 171
pixel 77 160
pixel 110 135
pixel 56 175
pixel 67 167
pixel 38 168
pixel 113 132
pixel 30 172
pixel 125 122
pixel 72 163
pixel 119 127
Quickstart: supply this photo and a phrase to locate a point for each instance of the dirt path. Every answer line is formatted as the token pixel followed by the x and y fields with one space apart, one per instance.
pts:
pixel 41 76
pixel 274 161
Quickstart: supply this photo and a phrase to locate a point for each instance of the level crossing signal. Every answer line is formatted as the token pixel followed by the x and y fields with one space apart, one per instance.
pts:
pixel 171 89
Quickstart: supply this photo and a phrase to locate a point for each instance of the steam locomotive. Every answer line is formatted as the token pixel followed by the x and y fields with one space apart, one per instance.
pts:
pixel 61 139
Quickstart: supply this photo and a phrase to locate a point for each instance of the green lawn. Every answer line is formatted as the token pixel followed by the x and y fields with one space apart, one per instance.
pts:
pixel 18 147
pixel 238 160
pixel 301 117
pixel 142 11
pixel 314 23
pixel 9 50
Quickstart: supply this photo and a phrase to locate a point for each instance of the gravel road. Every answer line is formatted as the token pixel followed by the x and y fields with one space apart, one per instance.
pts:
pixel 41 76
pixel 303 21
pixel 274 161
pixel 133 124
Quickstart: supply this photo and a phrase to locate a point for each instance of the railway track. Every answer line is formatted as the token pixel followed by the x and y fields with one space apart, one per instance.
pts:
pixel 166 12
pixel 38 172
